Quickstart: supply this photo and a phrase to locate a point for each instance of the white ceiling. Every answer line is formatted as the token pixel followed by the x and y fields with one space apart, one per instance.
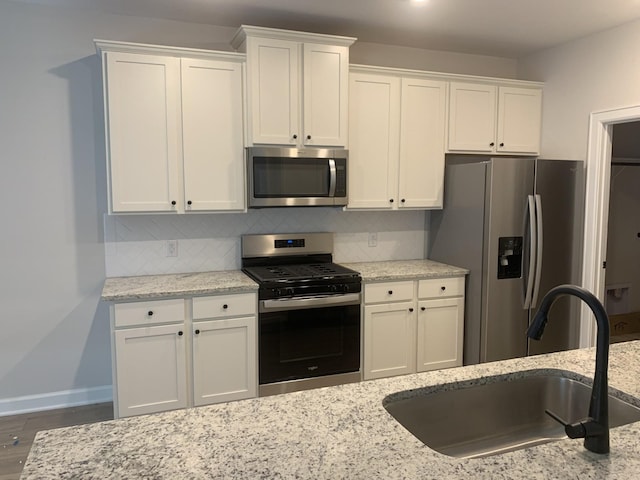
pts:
pixel 506 28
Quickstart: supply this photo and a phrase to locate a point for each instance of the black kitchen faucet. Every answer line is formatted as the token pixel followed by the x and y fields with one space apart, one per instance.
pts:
pixel 595 428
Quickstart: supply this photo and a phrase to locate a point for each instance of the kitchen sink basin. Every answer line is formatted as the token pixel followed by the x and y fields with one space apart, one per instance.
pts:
pixel 503 414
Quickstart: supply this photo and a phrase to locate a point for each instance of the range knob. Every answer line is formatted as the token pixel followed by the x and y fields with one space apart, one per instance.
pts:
pixel 290 291
pixel 345 288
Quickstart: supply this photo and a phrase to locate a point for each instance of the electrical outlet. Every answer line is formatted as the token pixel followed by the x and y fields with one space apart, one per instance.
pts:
pixel 172 248
pixel 373 239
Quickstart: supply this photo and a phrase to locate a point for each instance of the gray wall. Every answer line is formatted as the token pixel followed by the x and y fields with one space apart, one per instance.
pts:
pixel 54 347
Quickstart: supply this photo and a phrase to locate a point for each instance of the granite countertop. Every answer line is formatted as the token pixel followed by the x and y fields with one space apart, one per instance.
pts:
pixel 338 432
pixel 404 270
pixel 122 289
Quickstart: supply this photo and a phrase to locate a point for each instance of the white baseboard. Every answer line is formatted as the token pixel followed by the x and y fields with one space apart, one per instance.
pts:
pixel 50 401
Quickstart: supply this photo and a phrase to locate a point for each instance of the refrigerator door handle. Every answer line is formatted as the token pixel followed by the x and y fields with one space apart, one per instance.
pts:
pixel 532 249
pixel 538 274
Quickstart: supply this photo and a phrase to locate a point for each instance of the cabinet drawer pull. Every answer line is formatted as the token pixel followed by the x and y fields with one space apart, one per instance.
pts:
pixel 391 200
pixel 180 333
pixel 150 313
pixel 225 306
pixel 502 144
pixel 308 137
pixel 492 144
pixel 390 292
pixel 189 202
pixel 443 288
pixel 173 202
pixel 411 310
pixel 295 136
pixel 197 331
pixel 423 308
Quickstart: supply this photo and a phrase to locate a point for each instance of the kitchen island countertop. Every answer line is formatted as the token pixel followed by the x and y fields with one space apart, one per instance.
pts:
pixel 338 432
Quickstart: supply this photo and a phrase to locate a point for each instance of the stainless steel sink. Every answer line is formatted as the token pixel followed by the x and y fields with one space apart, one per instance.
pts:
pixel 503 414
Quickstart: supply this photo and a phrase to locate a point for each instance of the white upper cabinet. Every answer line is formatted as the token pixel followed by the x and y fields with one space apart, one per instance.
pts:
pixel 422 135
pixel 489 118
pixel 519 120
pixel 297 87
pixel 143 136
pixel 396 140
pixel 174 128
pixel 212 135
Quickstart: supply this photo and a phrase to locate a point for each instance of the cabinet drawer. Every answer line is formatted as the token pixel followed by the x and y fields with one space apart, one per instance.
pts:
pixel 388 292
pixel 149 313
pixel 441 287
pixel 224 306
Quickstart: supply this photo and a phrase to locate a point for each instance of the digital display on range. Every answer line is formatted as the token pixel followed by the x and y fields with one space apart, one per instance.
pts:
pixel 293 242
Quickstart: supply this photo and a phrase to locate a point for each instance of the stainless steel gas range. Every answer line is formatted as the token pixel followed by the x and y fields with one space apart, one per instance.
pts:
pixel 309 312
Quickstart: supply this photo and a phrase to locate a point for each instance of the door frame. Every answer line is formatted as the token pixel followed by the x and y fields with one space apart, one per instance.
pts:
pixel 597 208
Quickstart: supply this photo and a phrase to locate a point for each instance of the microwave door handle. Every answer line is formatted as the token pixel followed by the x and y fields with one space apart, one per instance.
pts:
pixel 332 177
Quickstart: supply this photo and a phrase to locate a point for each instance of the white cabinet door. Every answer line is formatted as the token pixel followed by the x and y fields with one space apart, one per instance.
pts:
pixel 143 106
pixel 150 369
pixel 389 340
pixel 326 85
pixel 224 360
pixel 519 120
pixel 422 138
pixel 472 117
pixel 273 73
pixel 440 333
pixel 212 135
pixel 374 112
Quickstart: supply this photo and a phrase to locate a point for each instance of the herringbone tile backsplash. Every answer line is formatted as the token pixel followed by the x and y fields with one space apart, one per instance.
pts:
pixel 136 244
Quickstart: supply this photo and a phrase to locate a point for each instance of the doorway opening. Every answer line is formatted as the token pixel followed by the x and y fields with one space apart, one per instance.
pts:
pixel 622 275
pixel 599 168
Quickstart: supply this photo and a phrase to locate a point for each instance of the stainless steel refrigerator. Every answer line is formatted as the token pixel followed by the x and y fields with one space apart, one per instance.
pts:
pixel 516 224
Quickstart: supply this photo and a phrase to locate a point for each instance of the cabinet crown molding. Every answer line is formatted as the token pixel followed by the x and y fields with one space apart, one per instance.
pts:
pixel 305 37
pixel 458 77
pixel 183 52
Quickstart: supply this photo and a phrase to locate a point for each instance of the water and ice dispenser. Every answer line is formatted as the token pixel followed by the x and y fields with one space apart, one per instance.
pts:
pixel 510 257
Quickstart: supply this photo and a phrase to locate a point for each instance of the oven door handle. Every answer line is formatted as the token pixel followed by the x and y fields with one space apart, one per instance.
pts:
pixel 309 302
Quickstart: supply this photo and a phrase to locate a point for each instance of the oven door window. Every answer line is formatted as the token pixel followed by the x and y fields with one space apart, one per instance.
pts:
pixel 297 344
pixel 290 177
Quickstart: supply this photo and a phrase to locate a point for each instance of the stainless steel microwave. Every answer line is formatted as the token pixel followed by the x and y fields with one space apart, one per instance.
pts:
pixel 296 177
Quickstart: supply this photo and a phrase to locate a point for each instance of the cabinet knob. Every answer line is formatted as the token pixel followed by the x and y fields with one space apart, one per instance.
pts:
pixel 411 310
pixel 423 308
pixel 391 200
pixel 225 306
pixel 308 137
pixel 295 136
pixel 180 333
pixel 197 331
pixel 189 202
pixel 390 292
pixel 492 144
pixel 173 202
pixel 502 144
pixel 402 201
pixel 443 288
pixel 150 313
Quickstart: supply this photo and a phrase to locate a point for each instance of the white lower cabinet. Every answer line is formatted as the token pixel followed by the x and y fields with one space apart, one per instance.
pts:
pixel 389 331
pixel 171 354
pixel 150 369
pixel 412 326
pixel 224 348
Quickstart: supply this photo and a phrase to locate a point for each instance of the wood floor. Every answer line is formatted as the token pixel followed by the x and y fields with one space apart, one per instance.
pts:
pixel 18 431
